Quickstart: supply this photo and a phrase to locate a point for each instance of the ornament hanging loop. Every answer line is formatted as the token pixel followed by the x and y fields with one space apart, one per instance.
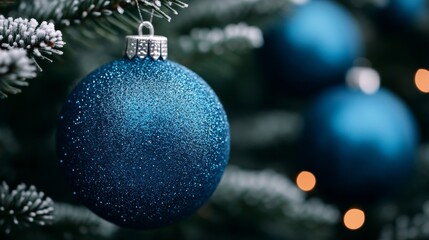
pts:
pixel 146 46
pixel 149 26
pixel 149 45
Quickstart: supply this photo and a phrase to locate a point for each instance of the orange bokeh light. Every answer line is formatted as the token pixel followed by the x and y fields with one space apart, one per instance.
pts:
pixel 422 80
pixel 354 219
pixel 306 181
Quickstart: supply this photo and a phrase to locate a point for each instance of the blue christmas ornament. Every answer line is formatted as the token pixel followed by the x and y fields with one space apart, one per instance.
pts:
pixel 311 49
pixel 143 142
pixel 360 147
pixel 403 12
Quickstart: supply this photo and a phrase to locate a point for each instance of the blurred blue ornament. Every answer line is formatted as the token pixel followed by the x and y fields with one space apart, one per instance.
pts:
pixel 144 143
pixel 403 12
pixel 360 147
pixel 311 49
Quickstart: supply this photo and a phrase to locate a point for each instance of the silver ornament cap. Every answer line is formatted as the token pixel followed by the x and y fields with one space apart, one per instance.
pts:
pixel 146 45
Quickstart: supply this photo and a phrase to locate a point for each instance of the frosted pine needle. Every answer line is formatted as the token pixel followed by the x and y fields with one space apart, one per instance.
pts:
pixel 157 6
pixel 39 39
pixel 82 220
pixel 75 11
pixel 23 207
pixel 233 37
pixel 268 190
pixel 15 68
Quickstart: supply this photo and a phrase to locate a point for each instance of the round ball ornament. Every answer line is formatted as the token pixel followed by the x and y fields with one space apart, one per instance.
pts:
pixel 311 49
pixel 361 147
pixel 402 13
pixel 143 141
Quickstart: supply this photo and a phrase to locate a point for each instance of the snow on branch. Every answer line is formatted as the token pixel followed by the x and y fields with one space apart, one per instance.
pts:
pixel 24 206
pixel 232 10
pixel 75 11
pixel 270 190
pixel 264 129
pixel 21 40
pixel 234 37
pixel 402 226
pixel 82 220
pixel 29 35
pixel 408 228
pixel 158 5
pixel 15 69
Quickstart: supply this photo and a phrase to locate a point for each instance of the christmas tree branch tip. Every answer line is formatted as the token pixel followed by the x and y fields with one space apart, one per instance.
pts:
pixel 157 6
pixel 269 190
pixel 234 37
pixel 37 39
pixel 82 220
pixel 24 207
pixel 21 41
pixel 226 11
pixel 76 11
pixel 15 68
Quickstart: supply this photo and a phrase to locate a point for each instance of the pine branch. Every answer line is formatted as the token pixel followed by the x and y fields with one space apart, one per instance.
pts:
pixel 229 43
pixel 81 221
pixel 75 11
pixel 225 11
pixel 157 6
pixel 29 35
pixel 265 129
pixel 15 69
pixel 232 38
pixel 270 190
pixel 24 207
pixel 408 228
pixel 400 226
pixel 19 38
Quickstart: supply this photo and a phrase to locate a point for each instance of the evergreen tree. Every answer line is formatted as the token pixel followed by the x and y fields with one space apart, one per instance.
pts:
pixel 48 46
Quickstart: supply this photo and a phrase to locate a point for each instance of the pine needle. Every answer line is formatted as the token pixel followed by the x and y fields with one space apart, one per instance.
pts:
pixel 24 207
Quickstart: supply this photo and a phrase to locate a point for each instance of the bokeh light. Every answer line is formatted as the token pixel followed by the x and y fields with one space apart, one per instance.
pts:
pixel 422 80
pixel 354 219
pixel 306 181
pixel 364 78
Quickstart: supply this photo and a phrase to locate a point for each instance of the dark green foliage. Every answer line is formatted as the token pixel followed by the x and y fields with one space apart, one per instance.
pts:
pixel 23 207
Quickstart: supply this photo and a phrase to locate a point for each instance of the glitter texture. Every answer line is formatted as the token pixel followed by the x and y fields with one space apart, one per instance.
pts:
pixel 143 143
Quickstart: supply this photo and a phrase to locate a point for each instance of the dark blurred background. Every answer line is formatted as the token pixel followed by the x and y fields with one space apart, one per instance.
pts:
pixel 337 89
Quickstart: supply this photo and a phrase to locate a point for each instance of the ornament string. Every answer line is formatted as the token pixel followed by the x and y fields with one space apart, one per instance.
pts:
pixel 151 16
pixel 140 11
pixel 147 24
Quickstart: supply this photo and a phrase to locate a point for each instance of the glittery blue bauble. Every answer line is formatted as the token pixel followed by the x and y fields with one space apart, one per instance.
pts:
pixel 360 147
pixel 311 49
pixel 144 143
